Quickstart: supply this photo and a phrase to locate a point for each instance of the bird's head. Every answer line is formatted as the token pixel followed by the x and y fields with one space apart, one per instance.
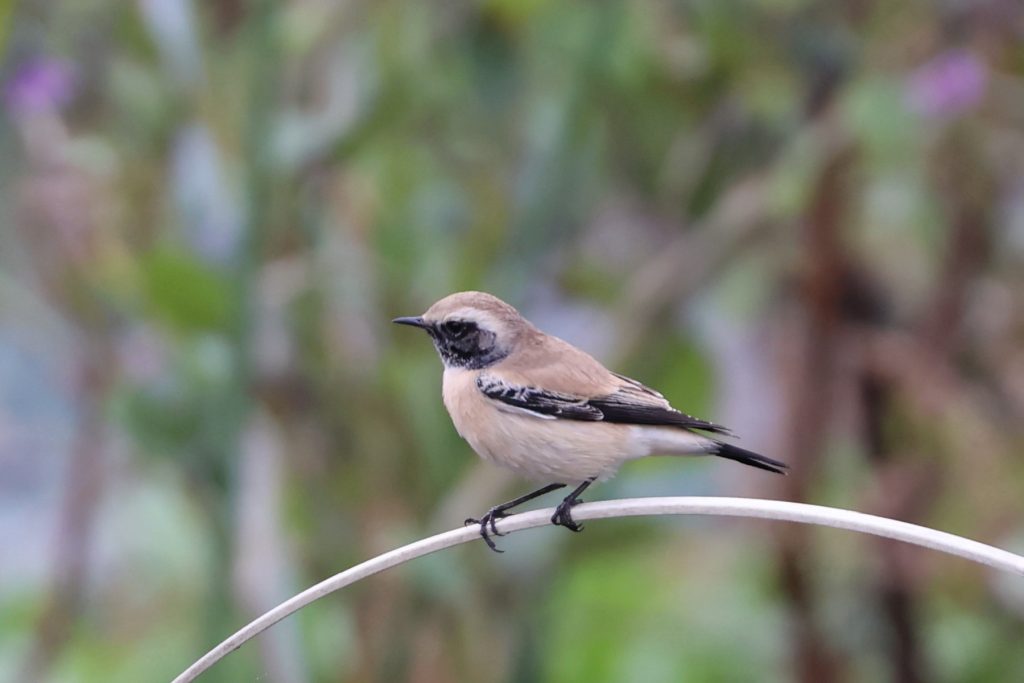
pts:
pixel 471 330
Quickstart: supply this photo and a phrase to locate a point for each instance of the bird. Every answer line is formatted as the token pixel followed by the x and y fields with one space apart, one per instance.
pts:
pixel 550 412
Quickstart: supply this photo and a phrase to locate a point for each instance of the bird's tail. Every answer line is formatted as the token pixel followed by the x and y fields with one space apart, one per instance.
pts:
pixel 724 450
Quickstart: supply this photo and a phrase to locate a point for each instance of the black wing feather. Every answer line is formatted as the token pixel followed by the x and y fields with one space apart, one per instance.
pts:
pixel 615 410
pixel 616 407
pixel 565 406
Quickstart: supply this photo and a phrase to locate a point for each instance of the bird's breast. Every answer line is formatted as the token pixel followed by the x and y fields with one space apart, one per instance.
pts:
pixel 463 400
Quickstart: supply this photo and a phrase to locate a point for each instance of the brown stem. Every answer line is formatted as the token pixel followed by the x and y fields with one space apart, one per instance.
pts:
pixel 810 405
pixel 83 488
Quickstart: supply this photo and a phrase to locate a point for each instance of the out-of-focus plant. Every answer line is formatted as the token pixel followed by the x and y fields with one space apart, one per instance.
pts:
pixel 802 220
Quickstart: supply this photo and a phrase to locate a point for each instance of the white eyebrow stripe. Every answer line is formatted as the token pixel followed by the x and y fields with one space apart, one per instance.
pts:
pixel 484 318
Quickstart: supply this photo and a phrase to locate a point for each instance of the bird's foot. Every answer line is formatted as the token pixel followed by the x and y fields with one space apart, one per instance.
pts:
pixel 563 515
pixel 489 519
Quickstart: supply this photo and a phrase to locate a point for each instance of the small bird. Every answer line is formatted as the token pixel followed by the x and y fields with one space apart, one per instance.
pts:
pixel 541 407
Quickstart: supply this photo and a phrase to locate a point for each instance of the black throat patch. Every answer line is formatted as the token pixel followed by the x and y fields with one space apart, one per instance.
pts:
pixel 473 349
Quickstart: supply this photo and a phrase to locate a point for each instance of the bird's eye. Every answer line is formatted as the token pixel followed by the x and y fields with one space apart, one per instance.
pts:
pixel 456 328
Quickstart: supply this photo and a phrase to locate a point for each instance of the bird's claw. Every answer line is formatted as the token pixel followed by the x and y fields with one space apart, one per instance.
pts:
pixel 563 515
pixel 489 519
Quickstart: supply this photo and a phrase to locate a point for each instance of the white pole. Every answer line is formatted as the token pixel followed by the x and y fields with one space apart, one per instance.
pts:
pixel 633 507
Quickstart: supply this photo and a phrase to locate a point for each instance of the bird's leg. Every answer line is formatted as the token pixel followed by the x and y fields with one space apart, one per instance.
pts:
pixel 499 511
pixel 563 513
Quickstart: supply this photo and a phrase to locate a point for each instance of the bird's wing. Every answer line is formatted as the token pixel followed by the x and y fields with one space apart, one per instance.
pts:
pixel 541 402
pixel 636 403
pixel 626 402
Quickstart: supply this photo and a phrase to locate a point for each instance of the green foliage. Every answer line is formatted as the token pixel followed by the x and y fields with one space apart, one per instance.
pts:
pixel 183 292
pixel 614 616
pixel 662 181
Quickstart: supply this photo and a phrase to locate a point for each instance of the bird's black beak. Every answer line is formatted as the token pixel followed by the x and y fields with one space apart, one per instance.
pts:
pixel 415 321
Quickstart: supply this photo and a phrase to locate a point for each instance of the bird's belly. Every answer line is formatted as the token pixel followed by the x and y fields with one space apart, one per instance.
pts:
pixel 563 451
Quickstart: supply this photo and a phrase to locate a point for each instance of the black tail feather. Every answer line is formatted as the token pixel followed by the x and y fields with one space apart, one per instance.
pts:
pixel 724 450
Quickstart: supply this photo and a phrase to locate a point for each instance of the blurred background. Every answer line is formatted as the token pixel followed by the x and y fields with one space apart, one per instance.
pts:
pixel 804 220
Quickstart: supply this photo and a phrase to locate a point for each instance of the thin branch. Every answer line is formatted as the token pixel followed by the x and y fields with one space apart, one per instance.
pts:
pixel 633 507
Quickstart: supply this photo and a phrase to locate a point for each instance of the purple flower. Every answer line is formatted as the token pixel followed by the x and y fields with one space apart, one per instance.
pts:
pixel 951 83
pixel 38 86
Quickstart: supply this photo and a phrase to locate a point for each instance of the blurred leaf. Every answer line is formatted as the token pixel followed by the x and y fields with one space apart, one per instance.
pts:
pixel 875 110
pixel 6 11
pixel 184 291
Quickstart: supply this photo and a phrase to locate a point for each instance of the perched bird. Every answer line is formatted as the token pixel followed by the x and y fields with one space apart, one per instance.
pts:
pixel 548 411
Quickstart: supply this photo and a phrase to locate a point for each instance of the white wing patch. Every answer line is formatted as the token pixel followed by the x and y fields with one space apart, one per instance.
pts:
pixel 506 408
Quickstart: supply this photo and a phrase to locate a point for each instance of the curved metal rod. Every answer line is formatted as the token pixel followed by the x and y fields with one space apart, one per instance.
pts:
pixel 633 507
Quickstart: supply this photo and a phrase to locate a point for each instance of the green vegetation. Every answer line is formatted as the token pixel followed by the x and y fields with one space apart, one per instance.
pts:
pixel 803 220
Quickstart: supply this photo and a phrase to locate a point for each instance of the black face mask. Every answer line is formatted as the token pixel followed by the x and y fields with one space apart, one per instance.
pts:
pixel 463 344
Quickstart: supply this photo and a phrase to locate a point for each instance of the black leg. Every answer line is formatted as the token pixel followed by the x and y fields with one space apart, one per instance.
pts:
pixel 498 511
pixel 563 513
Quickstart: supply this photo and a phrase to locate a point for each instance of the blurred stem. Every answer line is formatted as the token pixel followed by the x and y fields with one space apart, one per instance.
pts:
pixel 220 594
pixel 263 60
pixel 258 129
pixel 810 398
pixel 969 197
pixel 82 493
pixel 905 497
